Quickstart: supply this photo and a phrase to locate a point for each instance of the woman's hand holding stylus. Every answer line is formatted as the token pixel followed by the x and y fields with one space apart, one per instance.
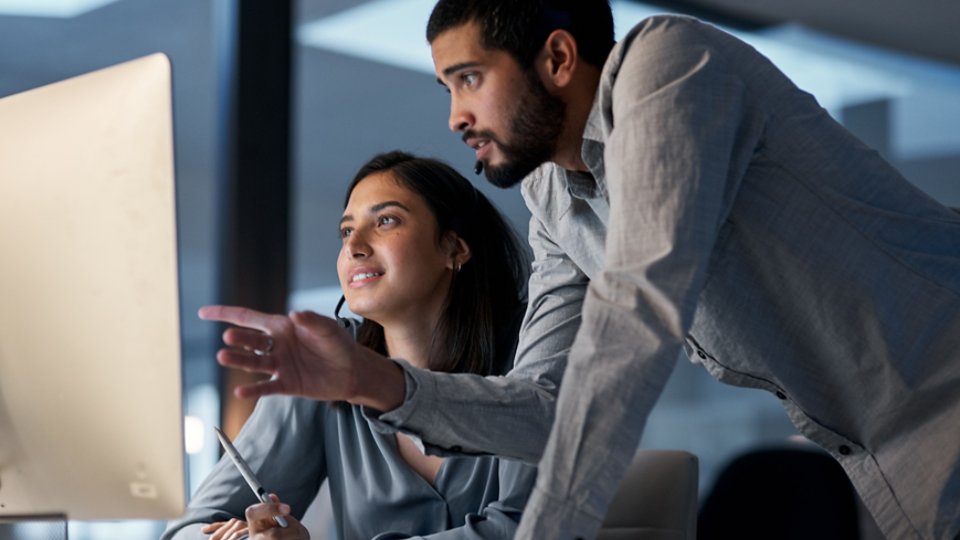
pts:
pixel 263 526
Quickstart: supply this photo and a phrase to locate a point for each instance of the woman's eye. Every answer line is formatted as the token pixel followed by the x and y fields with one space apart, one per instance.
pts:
pixel 386 220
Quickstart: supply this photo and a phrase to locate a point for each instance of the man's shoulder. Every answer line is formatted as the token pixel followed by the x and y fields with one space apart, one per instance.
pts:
pixel 664 49
pixel 665 27
pixel 660 35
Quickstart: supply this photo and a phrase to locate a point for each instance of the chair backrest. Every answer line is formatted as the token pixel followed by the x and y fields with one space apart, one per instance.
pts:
pixel 657 499
pixel 779 489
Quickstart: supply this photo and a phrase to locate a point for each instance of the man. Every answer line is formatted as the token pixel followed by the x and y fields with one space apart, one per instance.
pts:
pixel 711 205
pixel 684 194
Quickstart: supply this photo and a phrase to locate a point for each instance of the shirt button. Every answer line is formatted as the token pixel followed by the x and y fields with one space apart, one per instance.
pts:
pixel 844 450
pixel 702 354
pixel 781 395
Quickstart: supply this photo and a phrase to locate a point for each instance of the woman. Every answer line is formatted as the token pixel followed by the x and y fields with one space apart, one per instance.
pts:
pixel 438 277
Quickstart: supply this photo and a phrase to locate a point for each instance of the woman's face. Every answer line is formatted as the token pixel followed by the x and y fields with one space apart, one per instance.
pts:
pixel 391 265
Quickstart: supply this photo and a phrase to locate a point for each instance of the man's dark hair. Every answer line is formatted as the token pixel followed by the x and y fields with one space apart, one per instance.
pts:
pixel 520 27
pixel 480 321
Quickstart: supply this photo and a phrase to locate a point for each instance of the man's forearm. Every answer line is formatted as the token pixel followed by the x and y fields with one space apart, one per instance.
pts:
pixel 460 413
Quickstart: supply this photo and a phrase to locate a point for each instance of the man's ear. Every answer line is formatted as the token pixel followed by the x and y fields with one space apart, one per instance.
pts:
pixel 459 251
pixel 559 59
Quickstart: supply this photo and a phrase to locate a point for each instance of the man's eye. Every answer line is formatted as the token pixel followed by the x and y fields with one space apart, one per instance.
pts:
pixel 345 232
pixel 470 79
pixel 386 220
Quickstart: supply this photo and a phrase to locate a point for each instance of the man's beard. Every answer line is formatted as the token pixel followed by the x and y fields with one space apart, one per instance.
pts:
pixel 535 127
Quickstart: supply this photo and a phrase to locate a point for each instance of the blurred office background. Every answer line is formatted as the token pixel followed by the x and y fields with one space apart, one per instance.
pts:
pixel 278 102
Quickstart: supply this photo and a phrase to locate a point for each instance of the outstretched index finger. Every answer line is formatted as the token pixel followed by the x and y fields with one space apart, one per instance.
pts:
pixel 240 316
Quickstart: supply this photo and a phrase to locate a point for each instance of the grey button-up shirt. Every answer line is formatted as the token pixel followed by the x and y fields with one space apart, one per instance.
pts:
pixel 728 215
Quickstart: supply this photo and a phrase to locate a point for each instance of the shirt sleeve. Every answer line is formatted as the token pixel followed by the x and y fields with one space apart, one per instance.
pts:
pixel 282 430
pixel 499 519
pixel 675 116
pixel 509 415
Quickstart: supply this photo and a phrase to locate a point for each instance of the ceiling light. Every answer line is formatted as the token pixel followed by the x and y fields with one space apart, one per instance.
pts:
pixel 50 8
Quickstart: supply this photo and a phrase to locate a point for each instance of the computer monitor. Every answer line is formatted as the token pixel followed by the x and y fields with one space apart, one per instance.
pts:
pixel 90 387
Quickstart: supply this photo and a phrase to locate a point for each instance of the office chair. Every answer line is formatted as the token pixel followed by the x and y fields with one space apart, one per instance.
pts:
pixel 788 494
pixel 657 499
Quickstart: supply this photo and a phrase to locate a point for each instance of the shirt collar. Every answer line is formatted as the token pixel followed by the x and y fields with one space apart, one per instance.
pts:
pixel 589 186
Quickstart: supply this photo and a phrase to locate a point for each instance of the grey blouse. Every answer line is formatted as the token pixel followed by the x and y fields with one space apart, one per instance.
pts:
pixel 294 444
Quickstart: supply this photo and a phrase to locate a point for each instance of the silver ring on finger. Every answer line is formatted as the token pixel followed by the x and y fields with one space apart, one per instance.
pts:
pixel 266 350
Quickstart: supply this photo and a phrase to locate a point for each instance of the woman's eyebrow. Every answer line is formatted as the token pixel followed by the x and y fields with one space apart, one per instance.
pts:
pixel 376 208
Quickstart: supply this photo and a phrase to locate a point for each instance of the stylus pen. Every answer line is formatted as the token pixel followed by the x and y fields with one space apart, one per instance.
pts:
pixel 247 473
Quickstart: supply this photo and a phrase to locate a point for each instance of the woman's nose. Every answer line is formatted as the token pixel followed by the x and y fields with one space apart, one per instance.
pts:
pixel 357 246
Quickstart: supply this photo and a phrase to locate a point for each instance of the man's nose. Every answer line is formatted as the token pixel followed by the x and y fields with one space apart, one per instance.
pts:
pixel 460 118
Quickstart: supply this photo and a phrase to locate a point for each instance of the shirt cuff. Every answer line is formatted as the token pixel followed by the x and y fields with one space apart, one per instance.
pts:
pixel 549 517
pixel 392 421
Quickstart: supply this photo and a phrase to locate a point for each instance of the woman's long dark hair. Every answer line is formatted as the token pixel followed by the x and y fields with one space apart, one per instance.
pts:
pixel 478 326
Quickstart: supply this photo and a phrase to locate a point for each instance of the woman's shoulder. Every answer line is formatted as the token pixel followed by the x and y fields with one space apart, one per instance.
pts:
pixel 279 408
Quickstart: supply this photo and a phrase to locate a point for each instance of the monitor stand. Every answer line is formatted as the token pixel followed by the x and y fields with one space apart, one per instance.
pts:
pixel 46 527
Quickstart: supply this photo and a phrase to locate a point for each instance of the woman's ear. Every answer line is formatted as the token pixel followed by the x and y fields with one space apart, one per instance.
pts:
pixel 559 58
pixel 459 251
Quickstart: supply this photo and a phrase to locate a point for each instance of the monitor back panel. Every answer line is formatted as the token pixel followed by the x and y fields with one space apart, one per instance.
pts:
pixel 90 388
